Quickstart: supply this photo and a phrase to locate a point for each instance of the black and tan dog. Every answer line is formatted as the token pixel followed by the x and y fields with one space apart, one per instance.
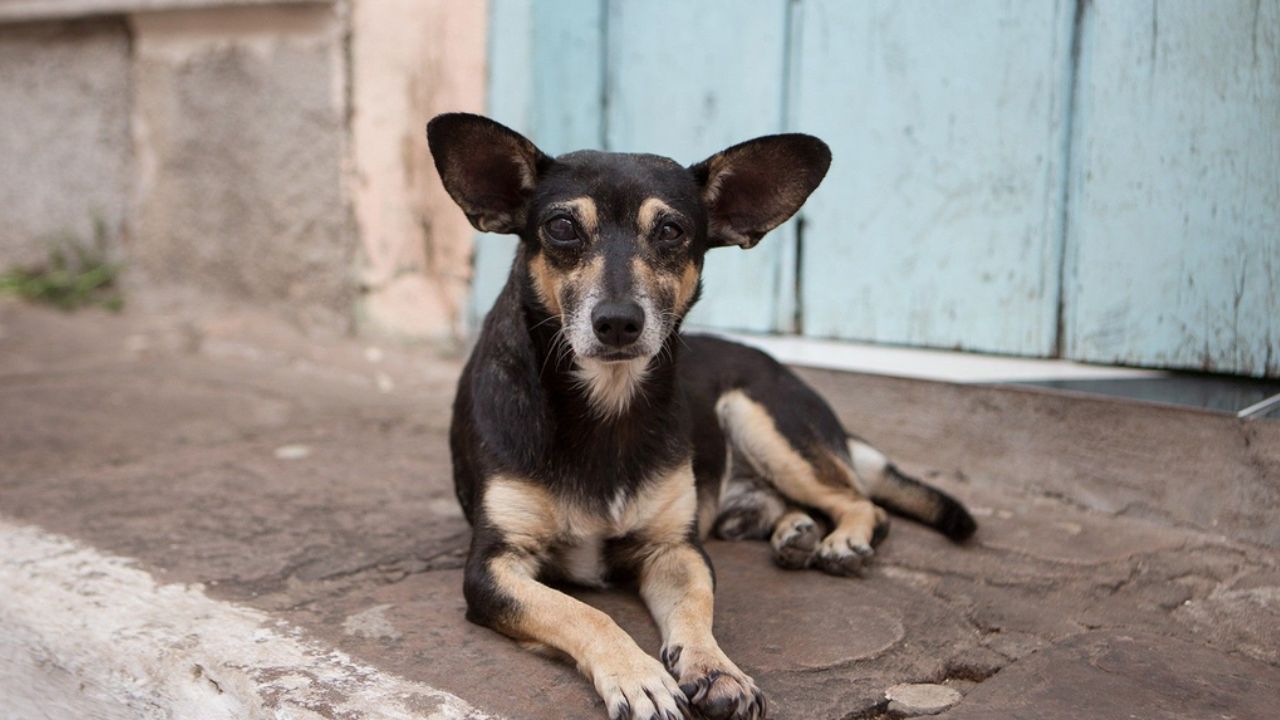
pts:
pixel 593 443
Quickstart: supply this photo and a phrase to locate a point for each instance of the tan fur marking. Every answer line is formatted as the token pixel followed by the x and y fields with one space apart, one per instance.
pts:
pixel 686 288
pixel 525 512
pixel 543 612
pixel 531 518
pixel 584 277
pixel 667 507
pixel 681 288
pixel 549 283
pixel 584 209
pixel 643 276
pixel 650 210
pixel 676 584
pixel 751 429
pixel 830 469
pixel 546 283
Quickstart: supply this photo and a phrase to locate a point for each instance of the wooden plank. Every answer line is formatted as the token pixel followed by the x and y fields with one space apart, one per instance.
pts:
pixel 546 80
pixel 940 223
pixel 1174 223
pixel 568 75
pixel 687 79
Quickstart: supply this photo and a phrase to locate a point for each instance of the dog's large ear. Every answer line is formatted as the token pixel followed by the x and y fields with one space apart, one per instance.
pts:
pixel 487 168
pixel 754 187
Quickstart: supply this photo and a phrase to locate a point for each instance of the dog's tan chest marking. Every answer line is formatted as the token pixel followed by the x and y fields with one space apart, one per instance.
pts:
pixel 533 520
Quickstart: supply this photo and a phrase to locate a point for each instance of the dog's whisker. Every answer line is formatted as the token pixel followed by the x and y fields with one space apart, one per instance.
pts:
pixel 544 322
pixel 558 341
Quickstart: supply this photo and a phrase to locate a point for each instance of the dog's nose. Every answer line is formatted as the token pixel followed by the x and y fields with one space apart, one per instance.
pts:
pixel 617 324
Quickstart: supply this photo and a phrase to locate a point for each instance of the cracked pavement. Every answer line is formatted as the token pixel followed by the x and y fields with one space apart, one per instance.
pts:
pixel 308 477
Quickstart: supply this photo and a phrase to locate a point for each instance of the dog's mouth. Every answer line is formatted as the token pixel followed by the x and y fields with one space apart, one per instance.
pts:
pixel 612 356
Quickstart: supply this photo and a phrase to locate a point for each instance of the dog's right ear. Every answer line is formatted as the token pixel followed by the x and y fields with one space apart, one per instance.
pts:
pixel 487 168
pixel 753 187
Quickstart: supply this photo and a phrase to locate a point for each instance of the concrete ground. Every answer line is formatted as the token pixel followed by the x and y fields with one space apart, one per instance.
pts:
pixel 224 517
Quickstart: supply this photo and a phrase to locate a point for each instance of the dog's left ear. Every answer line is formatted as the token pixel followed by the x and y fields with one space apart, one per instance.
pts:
pixel 754 187
pixel 489 169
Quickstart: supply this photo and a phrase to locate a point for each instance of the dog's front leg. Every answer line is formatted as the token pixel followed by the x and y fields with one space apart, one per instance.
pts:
pixel 504 594
pixel 676 583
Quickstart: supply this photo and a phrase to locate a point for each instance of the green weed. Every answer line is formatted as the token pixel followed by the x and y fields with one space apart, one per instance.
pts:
pixel 75 274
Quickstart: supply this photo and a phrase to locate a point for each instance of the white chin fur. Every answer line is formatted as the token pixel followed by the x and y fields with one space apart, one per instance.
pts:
pixel 611 386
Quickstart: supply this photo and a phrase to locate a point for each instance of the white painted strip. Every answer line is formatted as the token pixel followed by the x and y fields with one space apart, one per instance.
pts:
pixel 940 365
pixel 87 635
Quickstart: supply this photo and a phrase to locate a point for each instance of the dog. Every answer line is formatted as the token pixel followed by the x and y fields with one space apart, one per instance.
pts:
pixel 593 443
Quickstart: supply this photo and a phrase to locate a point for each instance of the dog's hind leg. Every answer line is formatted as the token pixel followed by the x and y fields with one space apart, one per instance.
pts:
pixel 752 509
pixel 814 476
pixel 749 506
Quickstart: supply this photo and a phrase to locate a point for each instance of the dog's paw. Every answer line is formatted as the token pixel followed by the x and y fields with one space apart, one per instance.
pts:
pixel 640 689
pixel 881 530
pixel 715 687
pixel 842 554
pixel 794 541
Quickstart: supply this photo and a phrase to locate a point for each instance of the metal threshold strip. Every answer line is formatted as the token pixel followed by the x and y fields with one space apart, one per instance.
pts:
pixel 1260 409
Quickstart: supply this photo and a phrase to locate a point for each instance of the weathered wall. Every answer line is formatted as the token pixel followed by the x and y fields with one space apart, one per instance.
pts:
pixel 1092 180
pixel 238 125
pixel 271 151
pixel 411 59
pixel 1174 223
pixel 64 133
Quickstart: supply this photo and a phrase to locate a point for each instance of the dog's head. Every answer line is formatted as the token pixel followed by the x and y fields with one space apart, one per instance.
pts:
pixel 615 240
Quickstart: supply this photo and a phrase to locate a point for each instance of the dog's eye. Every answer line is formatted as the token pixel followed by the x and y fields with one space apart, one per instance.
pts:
pixel 669 233
pixel 561 229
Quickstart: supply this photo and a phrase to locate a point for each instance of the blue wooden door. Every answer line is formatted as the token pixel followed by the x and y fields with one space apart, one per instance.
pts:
pixel 546 80
pixel 940 223
pixel 1095 180
pixel 1174 223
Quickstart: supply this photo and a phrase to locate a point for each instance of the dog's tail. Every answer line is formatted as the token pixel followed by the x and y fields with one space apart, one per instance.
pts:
pixel 910 497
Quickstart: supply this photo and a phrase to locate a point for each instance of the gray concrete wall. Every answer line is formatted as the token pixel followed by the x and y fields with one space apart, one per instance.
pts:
pixel 238 122
pixel 270 151
pixel 64 133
